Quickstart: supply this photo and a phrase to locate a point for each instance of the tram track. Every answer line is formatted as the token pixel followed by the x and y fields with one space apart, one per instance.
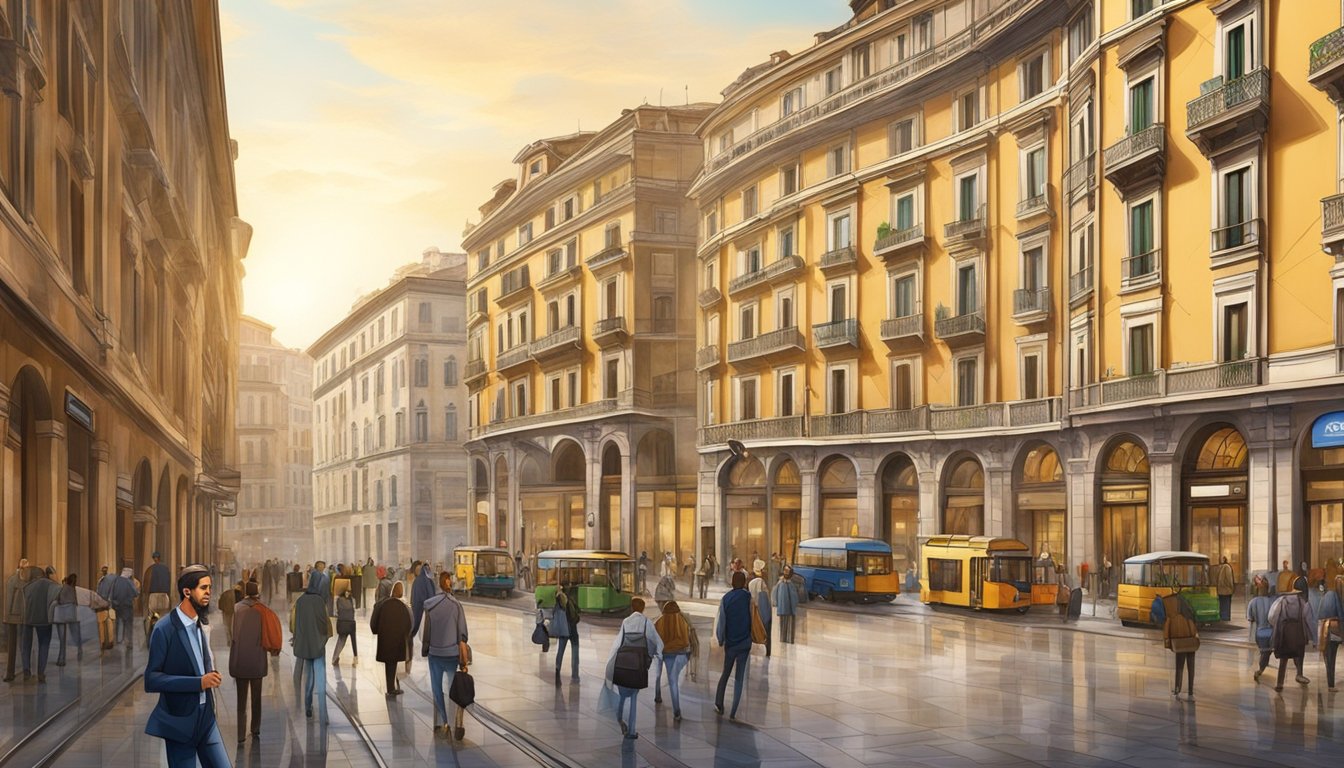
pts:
pixel 33 737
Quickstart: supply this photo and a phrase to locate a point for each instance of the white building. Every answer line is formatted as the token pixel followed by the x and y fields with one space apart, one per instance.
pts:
pixel 390 473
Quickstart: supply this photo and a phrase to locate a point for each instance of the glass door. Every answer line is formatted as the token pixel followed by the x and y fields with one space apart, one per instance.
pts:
pixel 1124 532
pixel 1216 531
pixel 1327 532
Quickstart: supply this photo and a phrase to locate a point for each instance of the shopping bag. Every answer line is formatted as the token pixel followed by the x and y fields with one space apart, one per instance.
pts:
pixel 607 700
pixel 463 690
pixel 539 635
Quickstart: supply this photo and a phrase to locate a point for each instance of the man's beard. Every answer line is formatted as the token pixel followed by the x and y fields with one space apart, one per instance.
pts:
pixel 202 610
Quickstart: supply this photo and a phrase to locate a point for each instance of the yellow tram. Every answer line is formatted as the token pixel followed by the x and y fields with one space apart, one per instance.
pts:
pixel 980 572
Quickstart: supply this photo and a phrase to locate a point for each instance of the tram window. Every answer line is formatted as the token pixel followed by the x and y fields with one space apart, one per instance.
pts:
pixel 1183 574
pixel 944 575
pixel 822 558
pixel 1134 574
pixel 872 564
pixel 1011 569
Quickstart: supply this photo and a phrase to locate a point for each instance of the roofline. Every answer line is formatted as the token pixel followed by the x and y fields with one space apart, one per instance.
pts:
pixel 374 304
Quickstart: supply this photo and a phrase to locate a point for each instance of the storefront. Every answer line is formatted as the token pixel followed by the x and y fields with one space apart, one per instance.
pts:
pixel 744 502
pixel 786 504
pixel 1214 496
pixel 1321 531
pixel 900 511
pixel 839 497
pixel 964 497
pixel 1123 511
pixel 1040 501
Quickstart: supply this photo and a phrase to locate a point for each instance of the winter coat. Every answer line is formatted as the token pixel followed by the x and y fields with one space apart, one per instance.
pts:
pixel 369 577
pixel 421 590
pixel 1178 619
pixel 1278 617
pixel 445 624
pixel 676 631
pixel 785 597
pixel 733 626
pixel 1257 617
pixel 666 590
pixel 247 657
pixel 1224 579
pixel 391 622
pixel 37 596
pixel 564 616
pixel 310 625
pixel 15 607
pixel 345 616
pixel 67 606
pixel 123 592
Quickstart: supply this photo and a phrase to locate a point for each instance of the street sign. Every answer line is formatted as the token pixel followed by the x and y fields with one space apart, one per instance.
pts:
pixel 1328 431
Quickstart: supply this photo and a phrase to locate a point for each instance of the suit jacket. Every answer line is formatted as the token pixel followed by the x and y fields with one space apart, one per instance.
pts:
pixel 171 673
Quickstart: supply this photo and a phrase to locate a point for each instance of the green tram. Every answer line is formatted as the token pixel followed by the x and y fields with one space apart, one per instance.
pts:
pixel 603 581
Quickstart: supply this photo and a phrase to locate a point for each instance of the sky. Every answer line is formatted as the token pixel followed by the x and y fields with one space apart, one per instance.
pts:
pixel 370 131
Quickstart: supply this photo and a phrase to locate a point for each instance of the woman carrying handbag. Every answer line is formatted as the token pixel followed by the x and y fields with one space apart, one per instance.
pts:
pixel 1180 633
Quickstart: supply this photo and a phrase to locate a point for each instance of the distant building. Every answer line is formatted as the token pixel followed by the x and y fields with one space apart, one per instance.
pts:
pixel 582 341
pixel 120 285
pixel 275 447
pixel 389 478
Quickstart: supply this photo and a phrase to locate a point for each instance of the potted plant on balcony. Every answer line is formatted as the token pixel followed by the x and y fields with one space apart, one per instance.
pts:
pixel 941 312
pixel 883 231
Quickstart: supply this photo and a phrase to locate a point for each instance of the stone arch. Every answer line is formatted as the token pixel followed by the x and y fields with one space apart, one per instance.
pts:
pixel 529 472
pixel 838 484
pixel 963 495
pixel 786 506
pixel 501 528
pixel 1040 508
pixel 609 501
pixel 899 485
pixel 656 455
pixel 480 501
pixel 568 463
pixel 32 490
pixel 134 546
pixel 160 538
pixel 1215 474
pixel 1124 480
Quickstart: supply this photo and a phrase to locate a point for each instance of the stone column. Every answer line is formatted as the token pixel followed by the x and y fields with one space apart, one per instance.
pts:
pixel 868 514
pixel 104 490
pixel 592 499
pixel 50 524
pixel 810 523
pixel 998 486
pixel 930 515
pixel 628 515
pixel 1163 502
pixel 1083 506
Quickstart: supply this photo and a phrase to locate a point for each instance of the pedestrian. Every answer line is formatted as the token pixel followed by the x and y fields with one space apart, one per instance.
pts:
pixel 638 635
pixel 1257 616
pixel 293 583
pixel 1224 581
pixel 680 647
pixel 368 583
pixel 256 633
pixel 228 600
pixel 181 670
pixel 735 566
pixel 565 629
pixel 122 597
pixel 665 591
pixel 1294 626
pixel 37 597
pixel 713 566
pixel 357 584
pixel 757 565
pixel 732 630
pixel 158 587
pixel 1332 611
pixel 1180 633
pixel 421 590
pixel 15 611
pixel 384 587
pixel 702 576
pixel 785 597
pixel 540 630
pixel 760 596
pixel 642 569
pixel 391 622
pixel 311 627
pixel 345 628
pixel 1284 579
pixel 268 580
pixel 66 618
pixel 776 564
pixel 669 566
pixel 445 630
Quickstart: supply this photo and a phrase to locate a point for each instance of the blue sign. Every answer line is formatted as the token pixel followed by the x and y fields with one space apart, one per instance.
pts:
pixel 1328 431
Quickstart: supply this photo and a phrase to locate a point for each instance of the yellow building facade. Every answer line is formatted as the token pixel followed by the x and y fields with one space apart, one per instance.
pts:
pixel 1051 270
pixel 580 307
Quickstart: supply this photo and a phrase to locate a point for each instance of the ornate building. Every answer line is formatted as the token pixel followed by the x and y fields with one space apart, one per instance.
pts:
pixel 389 474
pixel 581 344
pixel 1035 268
pixel 120 267
pixel 275 450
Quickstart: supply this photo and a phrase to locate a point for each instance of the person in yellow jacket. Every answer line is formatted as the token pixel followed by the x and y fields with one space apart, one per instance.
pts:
pixel 680 647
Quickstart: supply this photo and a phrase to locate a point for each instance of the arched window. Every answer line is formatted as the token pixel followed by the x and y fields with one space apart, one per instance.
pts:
pixel 450 372
pixel 450 423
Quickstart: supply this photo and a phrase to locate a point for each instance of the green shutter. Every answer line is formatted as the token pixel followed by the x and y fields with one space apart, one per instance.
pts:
pixel 905 213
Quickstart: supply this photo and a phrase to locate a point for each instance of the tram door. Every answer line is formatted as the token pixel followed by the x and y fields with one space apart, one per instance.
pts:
pixel 979 572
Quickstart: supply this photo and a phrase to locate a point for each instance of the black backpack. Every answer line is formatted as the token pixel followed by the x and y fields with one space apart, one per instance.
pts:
pixel 631 668
pixel 1292 635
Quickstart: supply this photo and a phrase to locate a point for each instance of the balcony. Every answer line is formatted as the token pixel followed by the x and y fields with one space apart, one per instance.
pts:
pixel 899 242
pixel 901 328
pixel 474 371
pixel 609 332
pixel 513 358
pixel 961 329
pixel 783 340
pixel 1038 205
pixel 754 429
pixel 970 230
pixel 787 266
pixel 709 298
pixel 585 411
pixel 1137 159
pixel 836 334
pixel 557 343
pixel 1031 305
pixel 707 358
pixel 1185 380
pixel 607 257
pixel 1226 112
pixel 1235 242
pixel 839 261
pixel 1332 225
pixel 989 415
pixel 1080 284
pixel 1141 270
pixel 561 276
pixel 513 286
pixel 1081 177
pixel 1326 68
pixel 476 316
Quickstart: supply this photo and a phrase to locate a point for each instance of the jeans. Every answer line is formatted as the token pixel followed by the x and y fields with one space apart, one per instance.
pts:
pixel 76 638
pixel 735 662
pixel 340 645
pixel 12 636
pixel 125 620
pixel 1331 652
pixel 1186 661
pixel 246 686
pixel 1283 667
pixel 1225 607
pixel 207 745
pixel 439 667
pixel 573 657
pixel 674 663
pixel 704 585
pixel 786 628
pixel 43 648
pixel 631 695
pixel 315 671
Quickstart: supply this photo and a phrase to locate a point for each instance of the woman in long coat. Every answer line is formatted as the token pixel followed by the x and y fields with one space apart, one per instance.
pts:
pixel 391 622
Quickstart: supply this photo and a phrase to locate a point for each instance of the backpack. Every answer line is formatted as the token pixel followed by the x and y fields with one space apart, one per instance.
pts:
pixel 1291 638
pixel 631 667
pixel 572 612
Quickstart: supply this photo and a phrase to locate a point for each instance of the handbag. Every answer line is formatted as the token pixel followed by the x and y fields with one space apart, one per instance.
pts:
pixel 463 690
pixel 757 626
pixel 1184 644
pixel 539 635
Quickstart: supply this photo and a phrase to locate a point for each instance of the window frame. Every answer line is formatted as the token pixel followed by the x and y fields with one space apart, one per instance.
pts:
pixel 913 271
pixel 790 372
pixel 1229 291
pixel 977 356
pixel 916 129
pixel 838 159
pixel 915 364
pixel 738 381
pixel 851 386
pixel 1041 54
pixel 1151 196
pixel 1038 346
pixel 1134 316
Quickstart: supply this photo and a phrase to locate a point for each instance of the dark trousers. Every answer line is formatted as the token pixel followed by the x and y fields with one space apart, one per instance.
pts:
pixel 769 635
pixel 1264 659
pixel 735 663
pixel 357 596
pixel 390 673
pixel 206 745
pixel 1186 661
pixel 12 638
pixel 786 628
pixel 1283 667
pixel 246 686
pixel 1331 651
pixel 43 648
pixel 1225 607
pixel 573 642
pixel 704 585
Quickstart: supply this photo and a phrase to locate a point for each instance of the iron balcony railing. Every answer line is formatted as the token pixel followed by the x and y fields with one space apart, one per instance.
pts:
pixel 1253 86
pixel 510 358
pixel 839 257
pixel 609 325
pixel 551 342
pixel 782 266
pixel 959 325
pixel 902 327
pixel 1081 176
pixel 709 297
pixel 1140 267
pixel 755 429
pixel 1242 233
pixel 782 340
pixel 474 369
pixel 587 410
pixel 1080 283
pixel 1332 217
pixel 707 357
pixel 513 282
pixel 1030 301
pixel 1326 51
pixel 1152 138
pixel 606 256
pixel 967 228
pixel 836 333
pixel 1194 379
pixel 967 417
pixel 898 238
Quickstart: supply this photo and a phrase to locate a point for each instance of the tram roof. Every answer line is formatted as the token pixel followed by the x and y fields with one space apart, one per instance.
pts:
pixel 850 543
pixel 481 548
pixel 1167 554
pixel 582 554
pixel 987 543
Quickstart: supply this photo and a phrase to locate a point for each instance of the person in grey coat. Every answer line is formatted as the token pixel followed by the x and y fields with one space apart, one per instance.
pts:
pixel 369 582
pixel 384 587
pixel 311 629
pixel 40 593
pixel 247 659
pixel 122 598
pixel 345 628
pixel 15 608
pixel 1257 617
pixel 444 626
pixel 785 597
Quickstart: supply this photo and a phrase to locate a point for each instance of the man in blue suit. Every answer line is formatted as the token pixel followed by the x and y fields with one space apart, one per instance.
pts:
pixel 182 672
